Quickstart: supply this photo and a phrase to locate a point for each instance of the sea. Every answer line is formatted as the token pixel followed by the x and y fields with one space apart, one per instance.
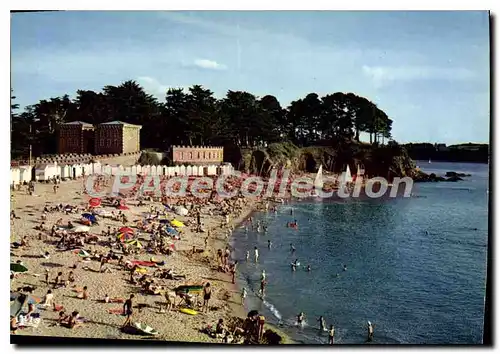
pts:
pixel 415 267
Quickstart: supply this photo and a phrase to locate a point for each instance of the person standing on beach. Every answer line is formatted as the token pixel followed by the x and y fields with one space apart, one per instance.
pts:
pixel 256 254
pixel 247 256
pixel 233 270
pixel 261 320
pixel 243 295
pixel 262 290
pixel 127 310
pixel 207 293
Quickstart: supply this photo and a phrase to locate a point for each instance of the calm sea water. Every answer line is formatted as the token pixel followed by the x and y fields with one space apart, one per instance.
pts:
pixel 416 267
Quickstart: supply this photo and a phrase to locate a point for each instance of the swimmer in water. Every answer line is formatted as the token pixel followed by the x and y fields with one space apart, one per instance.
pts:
pixel 295 223
pixel 292 248
pixel 308 268
pixel 322 323
pixel 370 332
pixel 269 244
pixel 331 335
pixel 300 319
pixel 345 267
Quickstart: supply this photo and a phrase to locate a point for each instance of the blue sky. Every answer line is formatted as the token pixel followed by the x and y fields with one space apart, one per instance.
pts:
pixel 429 71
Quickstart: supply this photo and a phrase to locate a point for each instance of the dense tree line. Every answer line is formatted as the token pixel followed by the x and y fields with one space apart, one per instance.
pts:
pixel 196 117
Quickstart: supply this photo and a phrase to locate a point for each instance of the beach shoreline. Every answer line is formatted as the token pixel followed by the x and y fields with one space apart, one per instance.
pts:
pixel 199 268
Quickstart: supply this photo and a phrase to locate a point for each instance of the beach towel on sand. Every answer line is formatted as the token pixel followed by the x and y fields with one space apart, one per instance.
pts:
pixel 144 263
pixel 116 311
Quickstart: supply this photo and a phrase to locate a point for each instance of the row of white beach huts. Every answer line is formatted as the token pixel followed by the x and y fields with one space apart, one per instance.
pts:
pixel 45 172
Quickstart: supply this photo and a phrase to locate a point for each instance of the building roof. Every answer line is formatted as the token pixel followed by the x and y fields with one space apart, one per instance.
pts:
pixel 78 122
pixel 119 122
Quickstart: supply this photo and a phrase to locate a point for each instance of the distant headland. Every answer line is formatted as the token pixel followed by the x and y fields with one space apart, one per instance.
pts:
pixel 467 152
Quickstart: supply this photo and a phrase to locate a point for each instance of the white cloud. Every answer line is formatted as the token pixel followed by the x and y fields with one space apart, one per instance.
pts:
pixel 155 88
pixel 209 64
pixel 382 75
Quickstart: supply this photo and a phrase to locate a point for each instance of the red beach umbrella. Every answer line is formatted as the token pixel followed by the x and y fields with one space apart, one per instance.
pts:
pixel 95 202
pixel 126 229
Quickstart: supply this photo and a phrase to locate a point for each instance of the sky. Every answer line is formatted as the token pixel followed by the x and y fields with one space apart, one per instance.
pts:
pixel 429 71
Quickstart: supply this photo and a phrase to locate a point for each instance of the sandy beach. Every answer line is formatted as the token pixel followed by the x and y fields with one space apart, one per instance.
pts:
pixel 172 326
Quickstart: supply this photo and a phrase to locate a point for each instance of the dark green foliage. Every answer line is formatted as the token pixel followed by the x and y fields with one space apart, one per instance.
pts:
pixel 196 117
pixel 149 158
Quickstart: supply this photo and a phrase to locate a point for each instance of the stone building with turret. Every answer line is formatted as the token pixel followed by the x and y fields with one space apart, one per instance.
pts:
pixel 76 138
pixel 117 137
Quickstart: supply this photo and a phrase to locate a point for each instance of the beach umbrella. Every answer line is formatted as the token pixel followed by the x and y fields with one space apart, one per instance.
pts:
pixel 189 289
pixel 135 243
pixel 79 229
pixel 126 229
pixel 95 202
pixel 181 210
pixel 177 223
pixel 18 268
pixel 145 328
pixel 82 253
pixel 123 236
pixel 89 217
pixel 172 231
pixel 17 302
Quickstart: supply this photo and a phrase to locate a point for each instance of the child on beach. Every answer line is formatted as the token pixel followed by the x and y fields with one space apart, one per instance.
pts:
pixel 243 295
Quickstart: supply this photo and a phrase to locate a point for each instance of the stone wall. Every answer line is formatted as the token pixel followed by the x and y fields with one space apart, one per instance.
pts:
pixel 197 154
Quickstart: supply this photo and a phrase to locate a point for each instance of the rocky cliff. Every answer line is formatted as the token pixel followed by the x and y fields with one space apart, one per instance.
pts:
pixel 386 161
